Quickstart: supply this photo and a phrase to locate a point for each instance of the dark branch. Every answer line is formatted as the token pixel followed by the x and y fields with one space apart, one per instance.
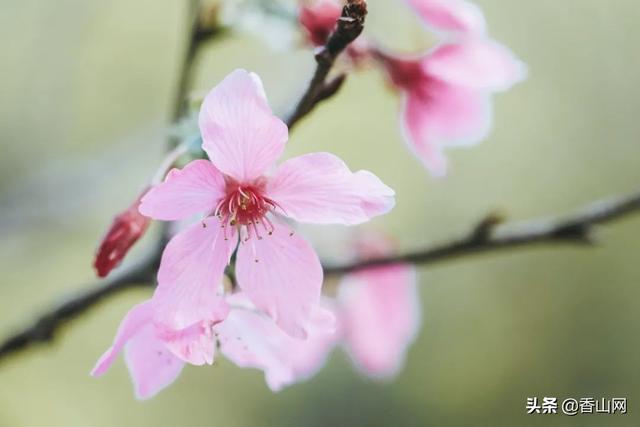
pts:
pixel 44 329
pixel 348 28
pixel 485 237
pixel 203 26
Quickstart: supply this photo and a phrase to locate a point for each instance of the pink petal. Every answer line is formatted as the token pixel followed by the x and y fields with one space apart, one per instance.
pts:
pixel 282 276
pixel 137 318
pixel 252 340
pixel 241 135
pixel 194 344
pixel 457 16
pixel 151 365
pixel 476 63
pixel 320 188
pixel 194 189
pixel 380 317
pixel 190 276
pixel 441 114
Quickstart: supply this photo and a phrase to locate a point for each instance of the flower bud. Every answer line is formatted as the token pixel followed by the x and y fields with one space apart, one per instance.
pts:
pixel 125 230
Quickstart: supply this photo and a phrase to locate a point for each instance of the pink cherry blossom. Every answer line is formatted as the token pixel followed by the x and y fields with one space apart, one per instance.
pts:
pixel 378 310
pixel 447 94
pixel 126 229
pixel 277 269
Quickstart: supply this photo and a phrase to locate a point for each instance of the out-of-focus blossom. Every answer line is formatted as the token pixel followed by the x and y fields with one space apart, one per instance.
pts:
pixel 378 312
pixel 125 230
pixel 450 16
pixel 447 94
pixel 318 19
pixel 277 270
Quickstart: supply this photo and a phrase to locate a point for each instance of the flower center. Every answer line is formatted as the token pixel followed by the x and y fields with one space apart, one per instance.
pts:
pixel 245 207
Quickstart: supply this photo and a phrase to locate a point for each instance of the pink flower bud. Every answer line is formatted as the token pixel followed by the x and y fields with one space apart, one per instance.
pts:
pixel 125 230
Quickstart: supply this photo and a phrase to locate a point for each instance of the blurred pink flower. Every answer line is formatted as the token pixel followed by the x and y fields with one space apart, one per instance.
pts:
pixel 447 94
pixel 277 270
pixel 125 230
pixel 318 19
pixel 378 311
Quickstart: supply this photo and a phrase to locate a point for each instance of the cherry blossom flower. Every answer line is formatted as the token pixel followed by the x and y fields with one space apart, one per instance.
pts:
pixel 378 311
pixel 447 94
pixel 278 270
pixel 125 230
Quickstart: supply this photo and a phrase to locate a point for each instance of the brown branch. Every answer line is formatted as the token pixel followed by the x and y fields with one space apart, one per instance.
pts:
pixel 203 26
pixel 487 237
pixel 348 28
pixel 44 329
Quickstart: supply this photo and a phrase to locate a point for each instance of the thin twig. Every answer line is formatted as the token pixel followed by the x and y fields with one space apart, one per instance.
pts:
pixel 348 28
pixel 45 327
pixel 201 30
pixel 488 237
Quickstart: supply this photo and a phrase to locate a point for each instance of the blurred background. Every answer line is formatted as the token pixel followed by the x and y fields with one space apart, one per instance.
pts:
pixel 86 91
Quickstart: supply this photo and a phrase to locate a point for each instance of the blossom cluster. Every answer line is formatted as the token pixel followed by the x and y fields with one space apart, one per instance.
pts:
pixel 238 279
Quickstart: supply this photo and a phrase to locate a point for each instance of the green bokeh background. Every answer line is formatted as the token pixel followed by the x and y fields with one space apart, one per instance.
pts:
pixel 86 88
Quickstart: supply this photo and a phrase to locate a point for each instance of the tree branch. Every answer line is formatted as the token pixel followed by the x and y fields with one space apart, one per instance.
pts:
pixel 485 237
pixel 202 28
pixel 348 28
pixel 45 327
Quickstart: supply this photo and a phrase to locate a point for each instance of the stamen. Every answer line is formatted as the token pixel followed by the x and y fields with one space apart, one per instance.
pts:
pixel 267 225
pixel 246 207
pixel 255 230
